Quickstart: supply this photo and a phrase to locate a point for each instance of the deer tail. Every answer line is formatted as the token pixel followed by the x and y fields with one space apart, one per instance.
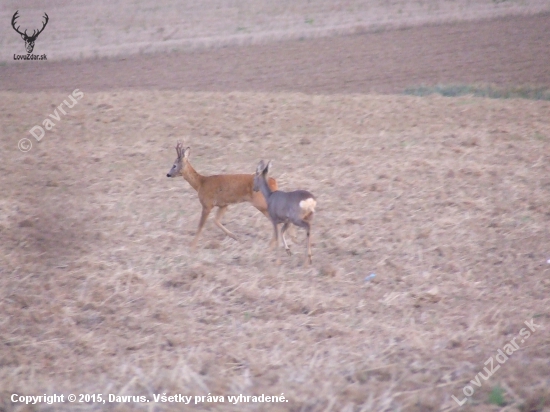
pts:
pixel 308 206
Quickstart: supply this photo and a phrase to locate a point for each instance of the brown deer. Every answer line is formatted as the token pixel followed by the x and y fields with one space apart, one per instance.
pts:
pixel 297 207
pixel 218 190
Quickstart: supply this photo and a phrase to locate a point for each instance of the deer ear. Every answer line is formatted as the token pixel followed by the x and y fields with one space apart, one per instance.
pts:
pixel 260 167
pixel 186 153
pixel 267 168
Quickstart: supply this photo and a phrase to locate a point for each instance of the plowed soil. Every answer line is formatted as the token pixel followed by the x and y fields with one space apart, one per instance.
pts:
pixel 510 51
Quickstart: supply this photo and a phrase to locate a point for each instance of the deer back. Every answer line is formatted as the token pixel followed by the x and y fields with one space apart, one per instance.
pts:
pixel 291 206
pixel 223 190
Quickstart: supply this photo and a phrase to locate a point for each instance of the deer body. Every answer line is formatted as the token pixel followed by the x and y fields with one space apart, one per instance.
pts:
pixel 224 190
pixel 297 207
pixel 218 191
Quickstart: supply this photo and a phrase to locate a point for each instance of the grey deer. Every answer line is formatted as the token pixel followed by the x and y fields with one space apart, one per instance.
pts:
pixel 297 207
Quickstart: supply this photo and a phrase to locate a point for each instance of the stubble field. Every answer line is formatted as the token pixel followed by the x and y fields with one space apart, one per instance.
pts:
pixel 445 200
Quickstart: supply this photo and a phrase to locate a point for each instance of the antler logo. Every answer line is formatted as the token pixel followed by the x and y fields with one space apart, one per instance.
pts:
pixel 29 40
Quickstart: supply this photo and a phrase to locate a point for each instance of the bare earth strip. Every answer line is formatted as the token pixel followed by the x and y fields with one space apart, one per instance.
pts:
pixel 98 28
pixel 507 51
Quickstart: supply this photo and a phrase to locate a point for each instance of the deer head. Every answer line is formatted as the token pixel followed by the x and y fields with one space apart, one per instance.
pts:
pixel 183 155
pixel 29 40
pixel 261 174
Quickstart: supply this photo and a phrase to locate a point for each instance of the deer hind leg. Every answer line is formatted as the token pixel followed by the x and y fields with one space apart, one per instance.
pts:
pixel 307 226
pixel 219 214
pixel 204 216
pixel 309 258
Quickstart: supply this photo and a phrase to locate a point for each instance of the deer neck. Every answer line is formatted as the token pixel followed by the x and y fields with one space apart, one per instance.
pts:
pixel 264 188
pixel 192 176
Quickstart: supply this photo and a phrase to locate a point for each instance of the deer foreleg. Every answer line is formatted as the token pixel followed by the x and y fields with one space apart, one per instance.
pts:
pixel 204 216
pixel 292 233
pixel 291 228
pixel 275 238
pixel 283 230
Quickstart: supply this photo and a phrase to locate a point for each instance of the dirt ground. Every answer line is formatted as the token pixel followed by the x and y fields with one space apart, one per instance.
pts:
pixel 510 51
pixel 445 200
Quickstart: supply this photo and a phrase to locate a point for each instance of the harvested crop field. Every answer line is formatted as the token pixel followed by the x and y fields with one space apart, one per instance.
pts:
pixel 445 200
pixel 430 239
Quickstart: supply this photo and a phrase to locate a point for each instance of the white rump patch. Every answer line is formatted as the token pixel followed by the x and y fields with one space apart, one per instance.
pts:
pixel 308 205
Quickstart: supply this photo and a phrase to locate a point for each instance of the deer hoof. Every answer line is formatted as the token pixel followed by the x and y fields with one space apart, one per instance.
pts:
pixel 288 252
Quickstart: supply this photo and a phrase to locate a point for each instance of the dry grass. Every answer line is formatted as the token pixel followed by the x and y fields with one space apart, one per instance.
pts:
pixel 445 199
